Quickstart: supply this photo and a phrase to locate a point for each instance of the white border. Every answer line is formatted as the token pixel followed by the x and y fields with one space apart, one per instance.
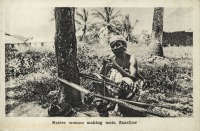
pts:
pixel 172 124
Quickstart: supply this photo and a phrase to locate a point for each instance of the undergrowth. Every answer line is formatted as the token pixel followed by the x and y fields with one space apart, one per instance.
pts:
pixel 37 72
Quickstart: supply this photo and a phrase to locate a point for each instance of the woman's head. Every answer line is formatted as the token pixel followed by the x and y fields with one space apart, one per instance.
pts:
pixel 118 44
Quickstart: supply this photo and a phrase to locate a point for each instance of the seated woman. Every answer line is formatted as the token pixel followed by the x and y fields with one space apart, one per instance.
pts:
pixel 123 70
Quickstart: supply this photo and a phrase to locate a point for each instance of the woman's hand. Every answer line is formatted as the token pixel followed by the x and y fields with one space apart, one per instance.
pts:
pixel 113 65
pixel 109 65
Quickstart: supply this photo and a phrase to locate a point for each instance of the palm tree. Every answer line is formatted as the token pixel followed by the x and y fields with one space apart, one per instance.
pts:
pixel 83 22
pixel 108 16
pixel 128 28
pixel 157 32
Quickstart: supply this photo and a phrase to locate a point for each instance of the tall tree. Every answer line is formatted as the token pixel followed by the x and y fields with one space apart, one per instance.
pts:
pixel 128 28
pixel 157 32
pixel 66 52
pixel 108 16
pixel 83 22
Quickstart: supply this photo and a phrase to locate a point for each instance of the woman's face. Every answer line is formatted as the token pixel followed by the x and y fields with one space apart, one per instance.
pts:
pixel 117 47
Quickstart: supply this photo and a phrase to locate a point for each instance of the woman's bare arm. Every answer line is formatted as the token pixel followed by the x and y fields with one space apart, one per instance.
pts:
pixel 132 69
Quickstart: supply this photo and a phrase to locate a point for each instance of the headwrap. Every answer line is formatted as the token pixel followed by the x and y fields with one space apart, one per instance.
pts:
pixel 118 38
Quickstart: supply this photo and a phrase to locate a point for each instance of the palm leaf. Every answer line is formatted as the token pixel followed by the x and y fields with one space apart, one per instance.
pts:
pixel 106 9
pixel 111 11
pixel 116 22
pixel 78 22
pixel 80 16
pixel 85 14
pixel 116 15
pixel 99 14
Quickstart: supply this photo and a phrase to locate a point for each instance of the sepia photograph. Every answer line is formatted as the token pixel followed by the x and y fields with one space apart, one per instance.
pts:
pixel 99 62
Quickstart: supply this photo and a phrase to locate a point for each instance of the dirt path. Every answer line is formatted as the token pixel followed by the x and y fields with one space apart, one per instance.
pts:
pixel 31 109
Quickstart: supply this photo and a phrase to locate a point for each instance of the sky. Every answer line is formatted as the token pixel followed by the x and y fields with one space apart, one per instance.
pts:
pixel 37 22
pixel 30 22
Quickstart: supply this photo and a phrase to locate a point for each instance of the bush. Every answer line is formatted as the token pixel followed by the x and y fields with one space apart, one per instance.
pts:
pixel 38 90
pixel 167 79
pixel 23 63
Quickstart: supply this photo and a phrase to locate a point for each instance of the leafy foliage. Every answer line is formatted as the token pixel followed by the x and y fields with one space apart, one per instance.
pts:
pixel 108 16
pixel 83 22
pixel 166 79
pixel 169 84
pixel 128 28
pixel 23 63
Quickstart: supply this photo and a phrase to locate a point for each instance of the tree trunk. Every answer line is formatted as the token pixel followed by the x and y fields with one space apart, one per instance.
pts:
pixel 66 52
pixel 157 32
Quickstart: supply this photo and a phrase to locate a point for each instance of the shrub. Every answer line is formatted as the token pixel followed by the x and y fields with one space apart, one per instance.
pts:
pixel 38 90
pixel 23 63
pixel 167 79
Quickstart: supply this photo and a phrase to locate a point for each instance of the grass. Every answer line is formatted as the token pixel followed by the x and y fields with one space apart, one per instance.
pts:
pixel 171 75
